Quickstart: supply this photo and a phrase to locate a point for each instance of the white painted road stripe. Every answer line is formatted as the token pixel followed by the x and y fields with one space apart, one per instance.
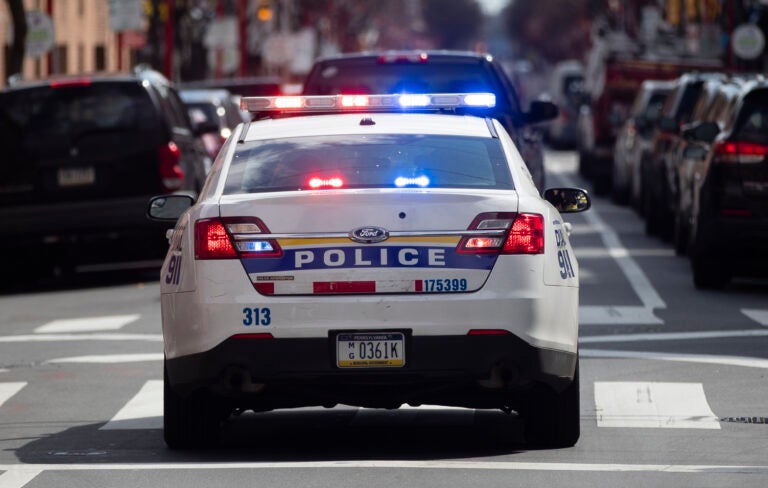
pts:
pixel 597 315
pixel 759 316
pixel 110 358
pixel 684 358
pixel 7 390
pixel 600 252
pixel 484 465
pixel 143 411
pixel 672 336
pixel 18 477
pixel 89 324
pixel 82 337
pixel 653 405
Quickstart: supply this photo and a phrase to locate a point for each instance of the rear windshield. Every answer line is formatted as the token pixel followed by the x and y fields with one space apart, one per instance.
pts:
pixel 752 123
pixel 374 78
pixel 370 161
pixel 79 108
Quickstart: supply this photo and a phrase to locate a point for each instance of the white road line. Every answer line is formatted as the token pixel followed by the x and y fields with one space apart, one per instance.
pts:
pixel 635 275
pixel 87 324
pixel 110 358
pixel 741 361
pixel 599 315
pixel 759 316
pixel 600 252
pixel 473 465
pixel 7 390
pixel 81 337
pixel 637 404
pixel 143 411
pixel 18 477
pixel 672 336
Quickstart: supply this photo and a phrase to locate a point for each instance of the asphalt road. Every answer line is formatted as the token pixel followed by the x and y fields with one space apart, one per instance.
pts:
pixel 674 391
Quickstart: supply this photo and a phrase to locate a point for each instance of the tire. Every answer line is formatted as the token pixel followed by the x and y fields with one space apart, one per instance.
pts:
pixel 552 419
pixel 709 274
pixel 680 235
pixel 650 214
pixel 188 422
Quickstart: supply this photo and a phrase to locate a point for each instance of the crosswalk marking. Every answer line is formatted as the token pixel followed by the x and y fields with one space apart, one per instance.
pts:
pixel 7 390
pixel 602 315
pixel 88 324
pixel 759 316
pixel 650 404
pixel 110 358
pixel 143 411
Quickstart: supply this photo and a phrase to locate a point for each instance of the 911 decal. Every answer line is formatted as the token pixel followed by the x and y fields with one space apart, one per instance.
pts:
pixel 257 316
pixel 173 276
pixel 442 286
pixel 563 257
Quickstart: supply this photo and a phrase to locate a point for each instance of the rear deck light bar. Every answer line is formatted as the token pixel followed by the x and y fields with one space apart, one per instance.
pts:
pixel 403 58
pixel 740 152
pixel 377 103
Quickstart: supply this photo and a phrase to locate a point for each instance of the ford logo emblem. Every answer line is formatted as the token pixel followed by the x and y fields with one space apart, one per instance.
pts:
pixel 369 235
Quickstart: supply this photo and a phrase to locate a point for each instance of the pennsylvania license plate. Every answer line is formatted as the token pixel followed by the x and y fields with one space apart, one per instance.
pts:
pixel 370 350
pixel 76 176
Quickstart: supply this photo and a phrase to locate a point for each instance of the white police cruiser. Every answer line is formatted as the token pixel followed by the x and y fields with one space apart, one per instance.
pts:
pixel 375 251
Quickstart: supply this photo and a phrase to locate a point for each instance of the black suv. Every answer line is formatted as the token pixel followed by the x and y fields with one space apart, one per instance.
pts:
pixel 437 72
pixel 729 208
pixel 81 158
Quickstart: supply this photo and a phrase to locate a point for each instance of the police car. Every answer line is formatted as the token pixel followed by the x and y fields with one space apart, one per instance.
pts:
pixel 373 251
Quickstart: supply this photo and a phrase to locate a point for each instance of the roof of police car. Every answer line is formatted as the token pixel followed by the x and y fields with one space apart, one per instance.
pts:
pixel 383 123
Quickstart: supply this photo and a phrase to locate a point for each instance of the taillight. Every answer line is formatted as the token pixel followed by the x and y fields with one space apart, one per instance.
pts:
pixel 171 174
pixel 517 234
pixel 740 152
pixel 526 236
pixel 230 238
pixel 70 83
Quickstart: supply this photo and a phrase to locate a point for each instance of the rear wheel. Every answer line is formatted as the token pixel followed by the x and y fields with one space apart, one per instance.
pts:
pixel 191 421
pixel 551 418
pixel 680 234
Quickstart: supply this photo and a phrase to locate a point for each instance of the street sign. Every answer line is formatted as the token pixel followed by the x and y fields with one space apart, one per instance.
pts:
pixel 125 15
pixel 40 34
pixel 748 41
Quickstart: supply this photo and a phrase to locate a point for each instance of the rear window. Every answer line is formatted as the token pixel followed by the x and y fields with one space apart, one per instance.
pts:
pixel 67 112
pixel 752 122
pixel 375 78
pixel 371 161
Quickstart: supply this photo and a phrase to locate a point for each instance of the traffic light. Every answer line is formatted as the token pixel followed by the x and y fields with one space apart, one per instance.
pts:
pixel 264 11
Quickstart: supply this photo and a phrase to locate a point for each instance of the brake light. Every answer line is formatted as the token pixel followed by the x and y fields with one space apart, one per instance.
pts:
pixel 230 238
pixel 70 83
pixel 212 240
pixel 316 183
pixel 526 236
pixel 171 174
pixel 403 58
pixel 488 332
pixel 740 152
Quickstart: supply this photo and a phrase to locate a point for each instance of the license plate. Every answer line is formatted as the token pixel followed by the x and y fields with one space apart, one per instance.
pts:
pixel 76 176
pixel 370 350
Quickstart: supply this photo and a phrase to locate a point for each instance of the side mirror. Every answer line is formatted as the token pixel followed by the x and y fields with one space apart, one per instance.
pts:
pixel 168 208
pixel 702 131
pixel 668 124
pixel 568 200
pixel 541 111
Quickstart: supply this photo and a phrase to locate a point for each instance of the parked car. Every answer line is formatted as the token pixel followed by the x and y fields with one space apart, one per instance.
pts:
pixel 729 209
pixel 215 112
pixel 336 256
pixel 659 171
pixel 713 105
pixel 635 140
pixel 437 72
pixel 566 90
pixel 81 157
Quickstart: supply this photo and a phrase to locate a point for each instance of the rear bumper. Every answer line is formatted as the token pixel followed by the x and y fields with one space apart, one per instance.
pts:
pixel 94 231
pixel 739 242
pixel 473 371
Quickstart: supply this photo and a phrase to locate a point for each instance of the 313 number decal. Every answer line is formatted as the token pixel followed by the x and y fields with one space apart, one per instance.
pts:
pixel 256 316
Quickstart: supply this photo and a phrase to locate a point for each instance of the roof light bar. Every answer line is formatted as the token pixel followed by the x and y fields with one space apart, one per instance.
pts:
pixel 370 103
